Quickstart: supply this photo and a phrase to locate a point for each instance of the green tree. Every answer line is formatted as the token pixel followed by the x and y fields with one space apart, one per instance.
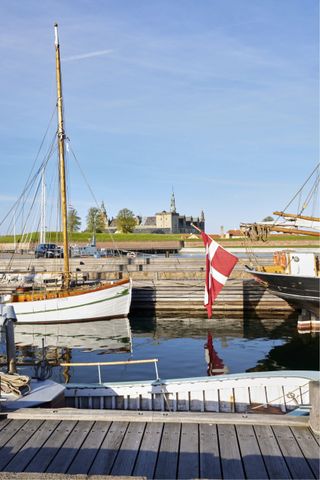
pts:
pixel 125 221
pixel 96 221
pixel 74 221
pixel 268 219
pixel 103 217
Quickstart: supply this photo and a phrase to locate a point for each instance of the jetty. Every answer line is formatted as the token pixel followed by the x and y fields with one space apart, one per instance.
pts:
pixel 41 442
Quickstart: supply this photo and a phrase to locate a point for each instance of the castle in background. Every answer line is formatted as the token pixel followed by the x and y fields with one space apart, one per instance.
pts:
pixel 169 222
pixel 166 222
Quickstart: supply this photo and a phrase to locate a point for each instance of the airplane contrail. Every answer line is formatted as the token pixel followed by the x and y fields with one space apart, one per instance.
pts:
pixel 87 55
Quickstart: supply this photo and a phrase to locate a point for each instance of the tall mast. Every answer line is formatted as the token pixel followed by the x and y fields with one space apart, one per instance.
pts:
pixel 61 138
pixel 43 208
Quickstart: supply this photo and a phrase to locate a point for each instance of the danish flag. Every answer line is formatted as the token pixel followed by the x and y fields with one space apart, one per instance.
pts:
pixel 219 265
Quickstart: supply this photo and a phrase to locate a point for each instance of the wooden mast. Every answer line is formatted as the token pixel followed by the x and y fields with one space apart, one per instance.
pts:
pixel 61 138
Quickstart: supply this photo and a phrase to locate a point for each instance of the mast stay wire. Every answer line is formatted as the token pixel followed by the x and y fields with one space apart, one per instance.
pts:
pixel 31 182
pixel 91 191
pixel 31 179
pixel 300 190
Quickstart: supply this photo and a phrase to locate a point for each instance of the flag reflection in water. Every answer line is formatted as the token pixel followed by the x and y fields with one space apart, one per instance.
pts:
pixel 215 364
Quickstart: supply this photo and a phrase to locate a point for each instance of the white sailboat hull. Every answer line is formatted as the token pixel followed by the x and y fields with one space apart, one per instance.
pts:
pixel 110 302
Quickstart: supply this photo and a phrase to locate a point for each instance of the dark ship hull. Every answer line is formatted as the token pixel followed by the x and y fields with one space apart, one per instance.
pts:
pixel 302 292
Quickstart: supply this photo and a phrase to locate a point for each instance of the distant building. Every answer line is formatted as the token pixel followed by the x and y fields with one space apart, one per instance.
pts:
pixel 171 221
pixel 234 234
pixel 166 222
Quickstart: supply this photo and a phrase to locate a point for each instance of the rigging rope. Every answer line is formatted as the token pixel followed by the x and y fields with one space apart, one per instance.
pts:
pixel 94 198
pixel 301 188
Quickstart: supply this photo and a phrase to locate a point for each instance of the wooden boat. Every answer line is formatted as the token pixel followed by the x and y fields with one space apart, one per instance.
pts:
pixel 294 275
pixel 258 392
pixel 69 303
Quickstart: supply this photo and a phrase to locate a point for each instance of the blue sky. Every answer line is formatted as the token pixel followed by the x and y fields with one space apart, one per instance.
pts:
pixel 217 99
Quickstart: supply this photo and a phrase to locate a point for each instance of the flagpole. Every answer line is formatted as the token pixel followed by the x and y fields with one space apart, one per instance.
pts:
pixel 197 228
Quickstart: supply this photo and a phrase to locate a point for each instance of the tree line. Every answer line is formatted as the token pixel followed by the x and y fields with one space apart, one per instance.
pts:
pixel 97 220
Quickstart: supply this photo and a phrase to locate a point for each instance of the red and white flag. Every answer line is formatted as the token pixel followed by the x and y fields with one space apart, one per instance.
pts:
pixel 219 265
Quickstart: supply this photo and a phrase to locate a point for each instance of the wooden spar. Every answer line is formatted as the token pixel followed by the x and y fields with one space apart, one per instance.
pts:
pixel 292 215
pixel 61 147
pixel 294 230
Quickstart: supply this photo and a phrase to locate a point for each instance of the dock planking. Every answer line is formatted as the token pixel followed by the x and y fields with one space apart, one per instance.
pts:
pixel 158 449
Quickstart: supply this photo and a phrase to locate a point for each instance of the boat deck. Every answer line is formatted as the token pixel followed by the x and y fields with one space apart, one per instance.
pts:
pixel 158 445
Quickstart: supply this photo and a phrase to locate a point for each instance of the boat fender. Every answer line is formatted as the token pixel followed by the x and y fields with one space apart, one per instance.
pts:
pixel 283 259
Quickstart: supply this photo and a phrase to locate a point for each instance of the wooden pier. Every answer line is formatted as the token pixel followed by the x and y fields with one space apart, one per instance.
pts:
pixel 157 445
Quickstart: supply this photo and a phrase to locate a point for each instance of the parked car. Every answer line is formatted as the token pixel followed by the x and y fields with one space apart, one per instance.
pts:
pixel 48 250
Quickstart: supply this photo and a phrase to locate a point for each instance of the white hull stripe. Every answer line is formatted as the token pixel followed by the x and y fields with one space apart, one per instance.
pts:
pixel 121 294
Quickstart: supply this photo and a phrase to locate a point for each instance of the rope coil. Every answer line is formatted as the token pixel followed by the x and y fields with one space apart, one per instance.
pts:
pixel 14 384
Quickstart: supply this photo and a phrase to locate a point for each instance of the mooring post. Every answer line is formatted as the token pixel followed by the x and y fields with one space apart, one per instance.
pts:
pixel 10 318
pixel 314 419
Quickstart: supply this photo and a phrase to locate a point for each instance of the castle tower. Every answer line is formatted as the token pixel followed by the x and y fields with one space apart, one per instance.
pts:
pixel 173 203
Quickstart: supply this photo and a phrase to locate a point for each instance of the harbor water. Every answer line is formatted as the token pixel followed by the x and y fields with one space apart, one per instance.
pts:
pixel 178 342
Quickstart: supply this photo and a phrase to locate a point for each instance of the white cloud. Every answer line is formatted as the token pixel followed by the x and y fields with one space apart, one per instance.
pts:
pixel 84 56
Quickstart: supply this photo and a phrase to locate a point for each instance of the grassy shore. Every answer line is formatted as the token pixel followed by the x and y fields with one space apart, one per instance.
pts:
pixel 84 237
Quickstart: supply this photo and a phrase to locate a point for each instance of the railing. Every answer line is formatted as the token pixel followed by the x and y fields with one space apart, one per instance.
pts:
pixel 107 364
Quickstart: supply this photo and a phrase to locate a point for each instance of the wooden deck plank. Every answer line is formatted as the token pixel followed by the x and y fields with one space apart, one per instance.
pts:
pixel 50 448
pixel 4 422
pixel 148 453
pixel 229 451
pixel 294 457
pixel 109 449
pixel 125 460
pixel 32 446
pixel 316 436
pixel 9 430
pixel 86 454
pixel 209 452
pixel 250 452
pixel 309 447
pixel 17 441
pixel 159 450
pixel 188 466
pixel 274 461
pixel 168 453
pixel 70 448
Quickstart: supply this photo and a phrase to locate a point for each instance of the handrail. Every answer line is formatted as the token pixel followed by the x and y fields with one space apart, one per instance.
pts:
pixel 103 364
pixel 93 364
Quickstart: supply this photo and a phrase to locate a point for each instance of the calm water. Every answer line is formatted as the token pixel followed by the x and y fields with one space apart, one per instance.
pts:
pixel 178 342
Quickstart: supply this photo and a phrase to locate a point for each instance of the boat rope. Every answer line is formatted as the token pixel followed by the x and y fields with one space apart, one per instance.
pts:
pixel 292 395
pixel 300 190
pixel 17 210
pixel 115 248
pixel 15 384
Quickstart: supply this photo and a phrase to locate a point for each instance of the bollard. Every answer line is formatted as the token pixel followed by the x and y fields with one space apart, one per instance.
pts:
pixel 8 317
pixel 314 419
pixel 11 346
